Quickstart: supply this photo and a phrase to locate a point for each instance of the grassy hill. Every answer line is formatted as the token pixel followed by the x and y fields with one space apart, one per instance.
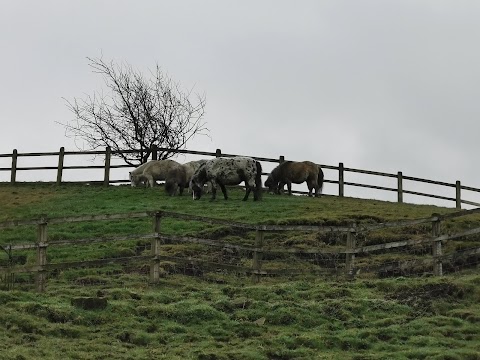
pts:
pixel 228 316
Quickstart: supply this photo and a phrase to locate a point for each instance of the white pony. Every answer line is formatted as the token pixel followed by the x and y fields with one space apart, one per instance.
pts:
pixel 152 171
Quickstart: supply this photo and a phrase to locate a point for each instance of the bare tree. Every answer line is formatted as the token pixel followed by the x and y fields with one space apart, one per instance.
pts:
pixel 137 113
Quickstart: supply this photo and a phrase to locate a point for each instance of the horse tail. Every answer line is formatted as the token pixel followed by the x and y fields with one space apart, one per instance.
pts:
pixel 320 179
pixel 258 180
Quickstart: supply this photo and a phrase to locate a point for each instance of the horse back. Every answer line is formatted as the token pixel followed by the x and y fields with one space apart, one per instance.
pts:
pixel 297 171
pixel 139 170
pixel 231 171
pixel 160 168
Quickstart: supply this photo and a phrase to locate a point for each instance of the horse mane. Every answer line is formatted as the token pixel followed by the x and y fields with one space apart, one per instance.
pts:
pixel 279 171
pixel 201 173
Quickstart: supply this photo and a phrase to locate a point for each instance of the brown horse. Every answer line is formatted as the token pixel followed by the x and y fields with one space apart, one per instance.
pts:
pixel 176 178
pixel 289 172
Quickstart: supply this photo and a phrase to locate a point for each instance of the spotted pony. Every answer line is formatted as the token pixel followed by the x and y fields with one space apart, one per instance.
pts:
pixel 228 171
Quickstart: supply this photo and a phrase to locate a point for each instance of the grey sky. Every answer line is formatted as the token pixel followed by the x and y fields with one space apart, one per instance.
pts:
pixel 380 85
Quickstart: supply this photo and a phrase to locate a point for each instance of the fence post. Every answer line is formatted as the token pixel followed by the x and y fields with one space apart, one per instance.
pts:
pixel 41 275
pixel 155 251
pixel 257 255
pixel 218 153
pixel 458 196
pixel 400 187
pixel 281 159
pixel 108 155
pixel 61 155
pixel 341 181
pixel 13 175
pixel 154 150
pixel 437 248
pixel 9 277
pixel 349 254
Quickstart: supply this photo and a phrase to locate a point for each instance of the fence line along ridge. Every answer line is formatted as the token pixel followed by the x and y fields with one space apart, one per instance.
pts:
pixel 341 181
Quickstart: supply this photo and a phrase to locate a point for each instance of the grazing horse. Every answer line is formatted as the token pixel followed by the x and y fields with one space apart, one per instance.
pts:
pixel 136 175
pixel 152 171
pixel 289 172
pixel 228 171
pixel 176 178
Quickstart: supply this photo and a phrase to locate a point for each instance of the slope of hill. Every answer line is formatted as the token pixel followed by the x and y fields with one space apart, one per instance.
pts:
pixel 224 315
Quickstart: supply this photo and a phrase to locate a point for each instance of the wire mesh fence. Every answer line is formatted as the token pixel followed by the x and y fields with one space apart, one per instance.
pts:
pixel 219 248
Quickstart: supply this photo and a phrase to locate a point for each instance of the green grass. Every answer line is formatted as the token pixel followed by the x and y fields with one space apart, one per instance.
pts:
pixel 223 315
pixel 183 317
pixel 32 200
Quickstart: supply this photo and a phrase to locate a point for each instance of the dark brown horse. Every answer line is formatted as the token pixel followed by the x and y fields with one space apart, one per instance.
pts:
pixel 176 178
pixel 289 172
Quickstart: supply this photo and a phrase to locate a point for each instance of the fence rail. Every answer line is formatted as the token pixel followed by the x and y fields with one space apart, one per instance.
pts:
pixel 340 180
pixel 349 252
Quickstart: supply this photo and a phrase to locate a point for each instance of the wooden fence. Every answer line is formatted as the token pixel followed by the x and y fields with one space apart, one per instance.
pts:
pixel 348 254
pixel 457 188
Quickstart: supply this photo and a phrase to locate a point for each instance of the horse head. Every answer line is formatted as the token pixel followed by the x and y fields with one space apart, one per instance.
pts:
pixel 197 190
pixel 134 180
pixel 271 184
pixel 197 182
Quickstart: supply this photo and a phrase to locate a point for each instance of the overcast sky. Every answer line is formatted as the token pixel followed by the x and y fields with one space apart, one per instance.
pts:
pixel 380 85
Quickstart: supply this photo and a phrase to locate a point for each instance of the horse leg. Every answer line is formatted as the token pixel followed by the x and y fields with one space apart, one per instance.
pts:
pixel 280 186
pixel 214 191
pixel 224 190
pixel 150 180
pixel 249 186
pixel 214 194
pixel 256 193
pixel 316 187
pixel 289 187
pixel 247 192
pixel 310 188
